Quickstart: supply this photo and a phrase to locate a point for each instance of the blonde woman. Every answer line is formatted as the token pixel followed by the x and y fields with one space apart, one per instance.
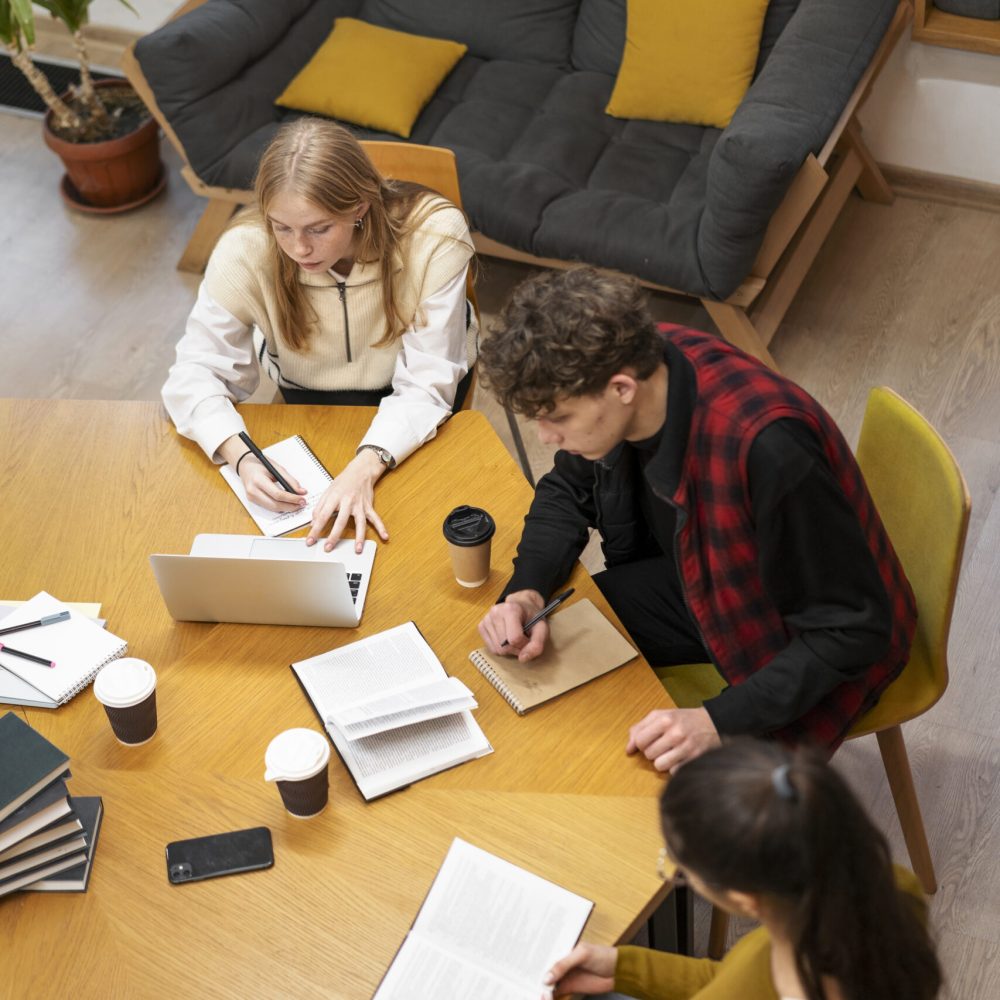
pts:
pixel 347 289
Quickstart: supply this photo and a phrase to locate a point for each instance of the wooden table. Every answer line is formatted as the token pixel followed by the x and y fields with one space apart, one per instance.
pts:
pixel 90 489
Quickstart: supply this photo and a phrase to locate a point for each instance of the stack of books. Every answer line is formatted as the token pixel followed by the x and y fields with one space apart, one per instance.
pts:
pixel 47 836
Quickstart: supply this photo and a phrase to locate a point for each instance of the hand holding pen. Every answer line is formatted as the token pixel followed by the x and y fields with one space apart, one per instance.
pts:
pixel 544 613
pixel 264 485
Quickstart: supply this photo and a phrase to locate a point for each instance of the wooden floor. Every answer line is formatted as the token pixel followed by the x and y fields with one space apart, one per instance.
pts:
pixel 907 296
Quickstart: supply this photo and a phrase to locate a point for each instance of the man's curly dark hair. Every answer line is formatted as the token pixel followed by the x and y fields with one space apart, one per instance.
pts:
pixel 565 333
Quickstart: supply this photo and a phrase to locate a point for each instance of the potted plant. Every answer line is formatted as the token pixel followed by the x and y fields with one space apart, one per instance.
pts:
pixel 101 130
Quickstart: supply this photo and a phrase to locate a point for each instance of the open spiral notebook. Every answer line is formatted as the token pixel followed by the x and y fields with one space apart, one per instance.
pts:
pixel 582 645
pixel 78 646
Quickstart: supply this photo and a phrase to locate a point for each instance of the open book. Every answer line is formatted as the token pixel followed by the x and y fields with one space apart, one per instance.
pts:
pixel 298 460
pixel 582 645
pixel 487 929
pixel 392 712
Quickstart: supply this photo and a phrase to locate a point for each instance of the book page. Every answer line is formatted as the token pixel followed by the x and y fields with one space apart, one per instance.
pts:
pixel 507 920
pixel 296 458
pixel 489 924
pixel 393 660
pixel 404 708
pixel 392 759
pixel 423 972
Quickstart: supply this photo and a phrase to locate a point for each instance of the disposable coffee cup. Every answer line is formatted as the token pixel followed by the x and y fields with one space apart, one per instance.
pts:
pixel 127 690
pixel 469 531
pixel 297 762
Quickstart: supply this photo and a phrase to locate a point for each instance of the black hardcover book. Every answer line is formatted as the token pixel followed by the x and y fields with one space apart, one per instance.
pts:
pixel 90 809
pixel 28 762
pixel 43 854
pixel 24 879
pixel 40 811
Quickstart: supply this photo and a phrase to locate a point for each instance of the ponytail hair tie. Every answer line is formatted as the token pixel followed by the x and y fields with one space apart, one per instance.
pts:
pixel 782 783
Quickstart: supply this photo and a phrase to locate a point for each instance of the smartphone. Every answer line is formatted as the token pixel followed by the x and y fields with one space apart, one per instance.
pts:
pixel 219 854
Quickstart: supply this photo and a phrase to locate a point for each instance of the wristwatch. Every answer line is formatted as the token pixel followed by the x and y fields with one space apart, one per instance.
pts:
pixel 383 455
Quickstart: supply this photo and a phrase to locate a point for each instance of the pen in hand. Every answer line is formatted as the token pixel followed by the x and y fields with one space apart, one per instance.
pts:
pixel 544 613
pixel 27 656
pixel 278 478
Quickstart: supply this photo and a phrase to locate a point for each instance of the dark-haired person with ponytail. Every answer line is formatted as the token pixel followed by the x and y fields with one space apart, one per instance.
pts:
pixel 347 289
pixel 776 835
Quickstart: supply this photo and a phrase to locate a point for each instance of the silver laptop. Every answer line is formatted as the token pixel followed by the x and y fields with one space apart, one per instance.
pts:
pixel 265 581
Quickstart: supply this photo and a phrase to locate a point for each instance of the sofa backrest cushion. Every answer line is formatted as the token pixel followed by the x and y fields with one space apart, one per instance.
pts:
pixel 599 37
pixel 521 30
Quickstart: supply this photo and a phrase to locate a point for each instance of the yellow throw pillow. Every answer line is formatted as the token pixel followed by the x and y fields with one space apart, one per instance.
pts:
pixel 372 76
pixel 687 60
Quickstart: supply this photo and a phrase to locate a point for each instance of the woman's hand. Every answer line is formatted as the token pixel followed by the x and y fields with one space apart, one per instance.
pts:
pixel 588 968
pixel 262 489
pixel 350 495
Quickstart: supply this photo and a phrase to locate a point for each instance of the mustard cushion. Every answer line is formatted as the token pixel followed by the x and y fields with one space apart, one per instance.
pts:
pixel 687 60
pixel 372 76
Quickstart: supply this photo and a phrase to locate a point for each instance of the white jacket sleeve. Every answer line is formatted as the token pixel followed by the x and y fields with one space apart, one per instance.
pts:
pixel 215 367
pixel 431 362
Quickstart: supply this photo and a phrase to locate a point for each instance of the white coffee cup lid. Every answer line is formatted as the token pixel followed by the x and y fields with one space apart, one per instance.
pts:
pixel 295 754
pixel 124 682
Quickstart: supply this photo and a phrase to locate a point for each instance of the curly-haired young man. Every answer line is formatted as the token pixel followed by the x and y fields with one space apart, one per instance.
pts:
pixel 734 521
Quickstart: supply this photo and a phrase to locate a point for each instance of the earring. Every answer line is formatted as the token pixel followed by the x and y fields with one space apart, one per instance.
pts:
pixel 359 223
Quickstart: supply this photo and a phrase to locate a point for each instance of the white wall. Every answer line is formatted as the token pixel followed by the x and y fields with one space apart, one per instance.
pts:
pixel 937 110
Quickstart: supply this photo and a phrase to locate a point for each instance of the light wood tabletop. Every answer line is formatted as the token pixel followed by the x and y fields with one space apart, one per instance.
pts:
pixel 91 489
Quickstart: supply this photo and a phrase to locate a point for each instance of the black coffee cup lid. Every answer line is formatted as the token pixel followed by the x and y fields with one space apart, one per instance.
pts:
pixel 467 525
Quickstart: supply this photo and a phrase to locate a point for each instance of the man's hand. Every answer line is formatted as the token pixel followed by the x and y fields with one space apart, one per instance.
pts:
pixel 588 968
pixel 506 621
pixel 350 495
pixel 671 737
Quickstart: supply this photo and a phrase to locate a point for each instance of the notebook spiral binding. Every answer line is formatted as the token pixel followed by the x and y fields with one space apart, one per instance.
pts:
pixel 312 456
pixel 86 681
pixel 484 667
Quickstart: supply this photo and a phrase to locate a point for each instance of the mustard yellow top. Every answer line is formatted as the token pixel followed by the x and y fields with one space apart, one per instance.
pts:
pixel 744 973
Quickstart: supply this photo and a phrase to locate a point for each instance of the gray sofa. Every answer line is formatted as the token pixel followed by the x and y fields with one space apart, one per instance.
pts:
pixel 544 171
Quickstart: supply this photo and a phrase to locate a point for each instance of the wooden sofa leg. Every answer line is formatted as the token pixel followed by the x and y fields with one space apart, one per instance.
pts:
pixel 872 184
pixel 717 931
pixel 897 770
pixel 734 324
pixel 206 234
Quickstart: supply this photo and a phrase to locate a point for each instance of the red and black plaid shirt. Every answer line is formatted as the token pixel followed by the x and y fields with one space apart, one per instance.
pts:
pixel 718 559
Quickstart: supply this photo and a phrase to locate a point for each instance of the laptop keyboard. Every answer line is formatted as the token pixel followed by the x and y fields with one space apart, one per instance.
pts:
pixel 354 582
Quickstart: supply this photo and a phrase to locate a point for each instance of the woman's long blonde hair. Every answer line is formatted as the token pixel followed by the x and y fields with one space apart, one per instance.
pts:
pixel 322 162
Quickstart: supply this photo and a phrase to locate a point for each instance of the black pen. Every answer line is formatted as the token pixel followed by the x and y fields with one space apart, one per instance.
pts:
pixel 27 656
pixel 44 620
pixel 278 478
pixel 544 613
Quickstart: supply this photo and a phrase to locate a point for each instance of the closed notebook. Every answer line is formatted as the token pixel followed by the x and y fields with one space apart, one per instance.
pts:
pixel 78 646
pixel 90 809
pixel 582 645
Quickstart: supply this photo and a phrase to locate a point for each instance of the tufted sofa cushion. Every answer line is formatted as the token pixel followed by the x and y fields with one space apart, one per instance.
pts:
pixel 542 168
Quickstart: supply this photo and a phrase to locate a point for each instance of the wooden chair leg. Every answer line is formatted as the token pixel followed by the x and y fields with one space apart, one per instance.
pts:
pixel 522 452
pixel 717 931
pixel 734 324
pixel 897 769
pixel 872 184
pixel 206 234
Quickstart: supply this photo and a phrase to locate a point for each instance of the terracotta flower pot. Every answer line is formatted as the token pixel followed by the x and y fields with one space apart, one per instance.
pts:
pixel 113 174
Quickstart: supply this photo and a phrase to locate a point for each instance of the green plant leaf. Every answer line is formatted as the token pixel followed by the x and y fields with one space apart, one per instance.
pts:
pixel 17 22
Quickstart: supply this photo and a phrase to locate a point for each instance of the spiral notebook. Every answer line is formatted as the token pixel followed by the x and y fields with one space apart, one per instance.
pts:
pixel 78 646
pixel 582 646
pixel 299 461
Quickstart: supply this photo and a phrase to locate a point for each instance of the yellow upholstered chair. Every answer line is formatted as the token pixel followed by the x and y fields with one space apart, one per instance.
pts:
pixel 434 167
pixel 924 503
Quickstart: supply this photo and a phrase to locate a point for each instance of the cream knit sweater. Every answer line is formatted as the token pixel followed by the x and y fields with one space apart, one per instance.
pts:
pixel 239 278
